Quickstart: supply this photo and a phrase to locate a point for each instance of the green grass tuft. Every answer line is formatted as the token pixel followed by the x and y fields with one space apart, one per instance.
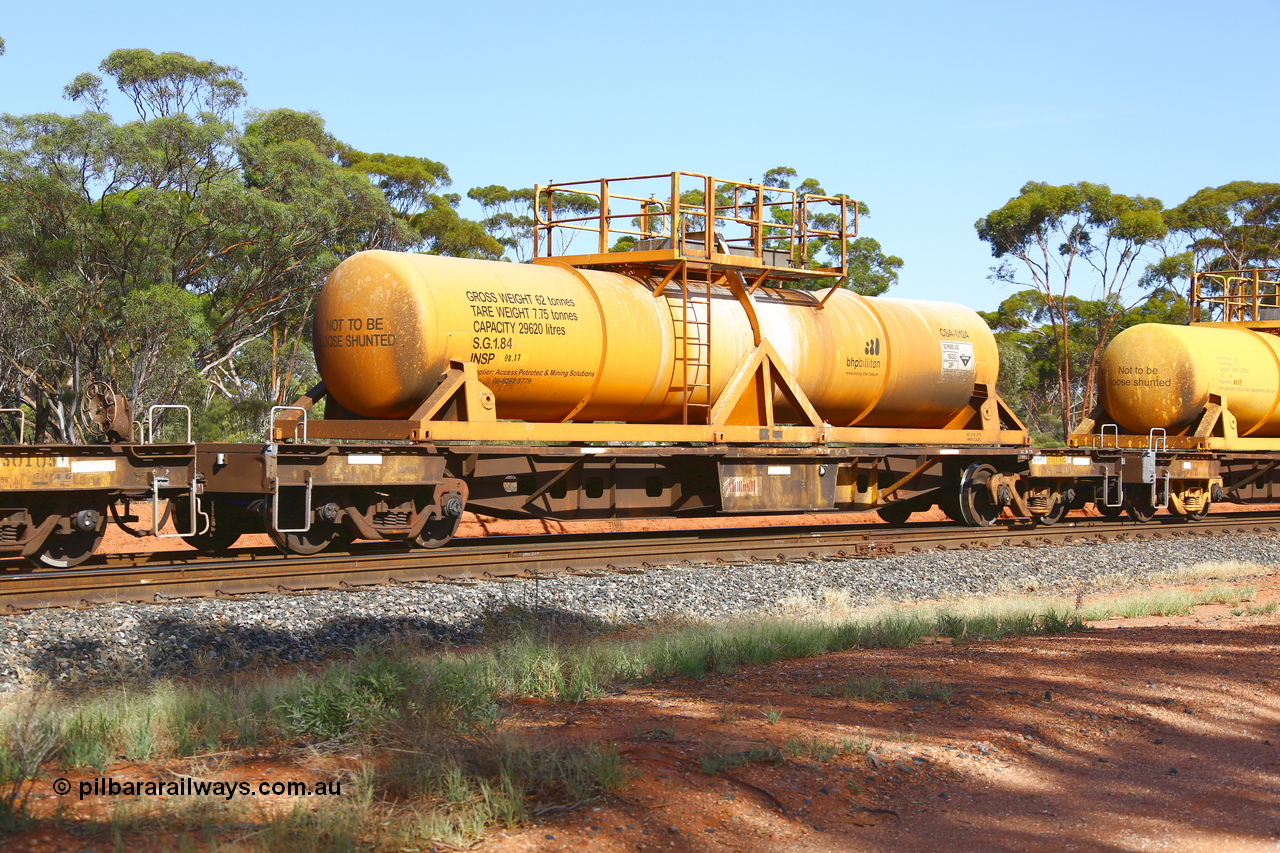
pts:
pixel 714 761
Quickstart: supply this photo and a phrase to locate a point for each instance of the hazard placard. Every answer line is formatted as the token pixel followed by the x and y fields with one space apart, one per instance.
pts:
pixel 957 362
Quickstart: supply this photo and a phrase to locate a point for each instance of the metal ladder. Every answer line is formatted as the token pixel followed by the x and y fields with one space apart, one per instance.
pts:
pixel 694 339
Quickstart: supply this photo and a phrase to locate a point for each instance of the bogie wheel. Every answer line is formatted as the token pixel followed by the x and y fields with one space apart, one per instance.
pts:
pixel 64 550
pixel 976 505
pixel 435 532
pixel 1139 507
pixel 440 528
pixel 1056 513
pixel 1112 512
pixel 305 543
pixel 898 512
pixel 225 525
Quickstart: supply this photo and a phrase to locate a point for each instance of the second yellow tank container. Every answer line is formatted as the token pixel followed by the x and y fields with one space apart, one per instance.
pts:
pixel 1160 377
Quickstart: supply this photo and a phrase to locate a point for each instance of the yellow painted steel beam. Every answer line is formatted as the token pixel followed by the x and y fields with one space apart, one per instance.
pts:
pixel 520 432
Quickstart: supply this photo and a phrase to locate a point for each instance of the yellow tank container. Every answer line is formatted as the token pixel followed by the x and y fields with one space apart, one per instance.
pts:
pixel 1160 377
pixel 557 343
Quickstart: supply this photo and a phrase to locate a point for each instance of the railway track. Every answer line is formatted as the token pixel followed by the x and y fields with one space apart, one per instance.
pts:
pixel 169 575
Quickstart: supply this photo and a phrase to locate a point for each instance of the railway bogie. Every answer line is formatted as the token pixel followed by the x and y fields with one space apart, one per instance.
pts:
pixel 308 496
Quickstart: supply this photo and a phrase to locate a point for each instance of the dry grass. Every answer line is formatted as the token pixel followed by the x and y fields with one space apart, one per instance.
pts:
pixel 453 770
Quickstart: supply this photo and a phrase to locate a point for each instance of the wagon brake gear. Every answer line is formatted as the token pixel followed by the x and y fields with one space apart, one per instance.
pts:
pixel 443 515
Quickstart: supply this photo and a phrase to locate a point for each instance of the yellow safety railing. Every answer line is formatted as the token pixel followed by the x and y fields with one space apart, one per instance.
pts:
pixel 1236 296
pixel 779 227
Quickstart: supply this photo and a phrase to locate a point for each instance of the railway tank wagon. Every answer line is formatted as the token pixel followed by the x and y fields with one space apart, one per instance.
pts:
pixel 663 372
pixel 1189 415
pixel 563 345
pixel 696 358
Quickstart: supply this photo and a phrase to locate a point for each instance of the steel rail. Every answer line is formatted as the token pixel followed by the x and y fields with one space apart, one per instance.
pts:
pixel 170 575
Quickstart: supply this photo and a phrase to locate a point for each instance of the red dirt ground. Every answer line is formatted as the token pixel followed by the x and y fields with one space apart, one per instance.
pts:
pixel 1147 734
pixel 1143 735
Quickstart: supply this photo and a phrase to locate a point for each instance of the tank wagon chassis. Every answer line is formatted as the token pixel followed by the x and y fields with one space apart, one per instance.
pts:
pixel 308 494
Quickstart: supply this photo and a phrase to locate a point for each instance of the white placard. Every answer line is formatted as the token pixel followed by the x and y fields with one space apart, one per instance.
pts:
pixel 93 466
pixel 364 458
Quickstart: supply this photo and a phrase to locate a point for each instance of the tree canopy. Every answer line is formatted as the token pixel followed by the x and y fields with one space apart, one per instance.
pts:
pixel 1234 226
pixel 177 253
pixel 1048 238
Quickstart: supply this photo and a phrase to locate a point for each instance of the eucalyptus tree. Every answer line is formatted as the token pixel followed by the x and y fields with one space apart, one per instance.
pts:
pixel 1234 226
pixel 509 217
pixel 1050 239
pixel 177 252
pixel 415 188
pixel 871 272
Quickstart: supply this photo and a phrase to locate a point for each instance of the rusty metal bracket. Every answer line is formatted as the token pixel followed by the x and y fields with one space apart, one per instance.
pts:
pixel 157 483
pixel 1217 420
pixel 758 282
pixel 306 507
pixel 576 465
pixel 1008 482
pixel 460 396
pixel 929 461
pixel 748 396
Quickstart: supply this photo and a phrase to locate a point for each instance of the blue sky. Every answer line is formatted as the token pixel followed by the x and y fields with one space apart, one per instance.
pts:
pixel 934 113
